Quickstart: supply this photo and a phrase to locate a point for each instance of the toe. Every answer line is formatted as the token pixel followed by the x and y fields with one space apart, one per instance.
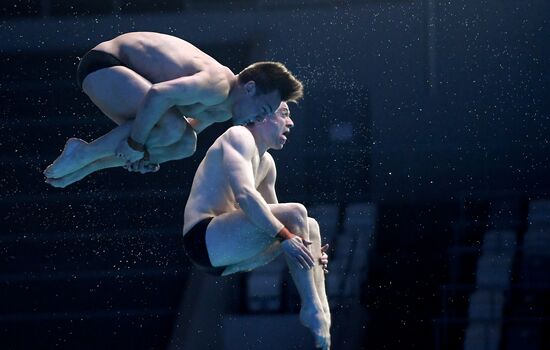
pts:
pixel 49 171
pixel 54 183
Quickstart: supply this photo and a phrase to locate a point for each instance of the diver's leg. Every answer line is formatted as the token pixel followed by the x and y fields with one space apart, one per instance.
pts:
pixel 119 92
pixel 184 148
pixel 318 274
pixel 104 163
pixel 77 153
pixel 232 238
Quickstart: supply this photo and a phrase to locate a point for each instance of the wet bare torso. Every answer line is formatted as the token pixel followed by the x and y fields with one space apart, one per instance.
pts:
pixel 211 193
pixel 159 57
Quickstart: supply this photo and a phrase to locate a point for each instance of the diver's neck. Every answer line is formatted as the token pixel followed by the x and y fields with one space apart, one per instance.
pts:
pixel 261 146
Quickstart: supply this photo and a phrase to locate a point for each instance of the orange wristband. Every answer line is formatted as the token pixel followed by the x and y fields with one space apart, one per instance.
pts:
pixel 284 234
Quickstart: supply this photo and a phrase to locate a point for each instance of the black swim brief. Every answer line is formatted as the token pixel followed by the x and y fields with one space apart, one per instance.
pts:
pixel 194 243
pixel 95 60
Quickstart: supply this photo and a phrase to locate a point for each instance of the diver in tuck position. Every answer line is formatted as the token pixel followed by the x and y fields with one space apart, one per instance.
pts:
pixel 233 221
pixel 162 91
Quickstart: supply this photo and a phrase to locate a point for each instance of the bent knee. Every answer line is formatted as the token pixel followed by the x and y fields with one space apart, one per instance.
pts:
pixel 297 219
pixel 187 144
pixel 300 212
pixel 173 128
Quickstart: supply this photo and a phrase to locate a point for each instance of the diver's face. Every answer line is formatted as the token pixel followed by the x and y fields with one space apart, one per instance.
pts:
pixel 276 127
pixel 254 106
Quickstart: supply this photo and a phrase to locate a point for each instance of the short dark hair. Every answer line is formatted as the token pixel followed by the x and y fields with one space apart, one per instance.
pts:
pixel 270 76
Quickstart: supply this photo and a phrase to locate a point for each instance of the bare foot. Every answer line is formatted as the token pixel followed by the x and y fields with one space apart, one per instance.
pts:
pixel 69 160
pixel 317 324
pixel 66 180
pixel 60 183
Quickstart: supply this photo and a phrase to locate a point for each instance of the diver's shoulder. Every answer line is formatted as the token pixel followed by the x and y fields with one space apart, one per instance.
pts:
pixel 216 81
pixel 238 136
pixel 268 158
pixel 238 132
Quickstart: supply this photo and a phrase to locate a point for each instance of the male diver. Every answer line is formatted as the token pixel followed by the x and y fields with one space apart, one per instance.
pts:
pixel 233 221
pixel 162 91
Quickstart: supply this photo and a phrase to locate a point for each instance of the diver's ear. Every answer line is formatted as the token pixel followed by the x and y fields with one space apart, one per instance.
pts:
pixel 250 88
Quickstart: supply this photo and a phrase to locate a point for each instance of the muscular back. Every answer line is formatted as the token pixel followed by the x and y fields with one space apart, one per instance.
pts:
pixel 211 192
pixel 159 57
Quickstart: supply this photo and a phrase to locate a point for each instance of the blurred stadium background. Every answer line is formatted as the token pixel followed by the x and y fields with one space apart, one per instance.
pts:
pixel 421 147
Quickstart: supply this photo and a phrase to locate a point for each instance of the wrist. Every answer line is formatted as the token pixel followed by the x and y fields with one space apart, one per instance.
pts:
pixel 284 234
pixel 140 147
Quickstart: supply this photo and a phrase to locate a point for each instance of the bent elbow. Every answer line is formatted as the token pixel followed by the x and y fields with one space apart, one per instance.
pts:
pixel 244 196
pixel 154 92
pixel 156 96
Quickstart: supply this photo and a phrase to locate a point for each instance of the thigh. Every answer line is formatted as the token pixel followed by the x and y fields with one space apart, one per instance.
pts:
pixel 265 257
pixel 232 238
pixel 118 91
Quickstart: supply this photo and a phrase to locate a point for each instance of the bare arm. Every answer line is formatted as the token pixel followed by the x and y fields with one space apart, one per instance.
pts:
pixel 238 153
pixel 239 149
pixel 161 96
pixel 267 186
